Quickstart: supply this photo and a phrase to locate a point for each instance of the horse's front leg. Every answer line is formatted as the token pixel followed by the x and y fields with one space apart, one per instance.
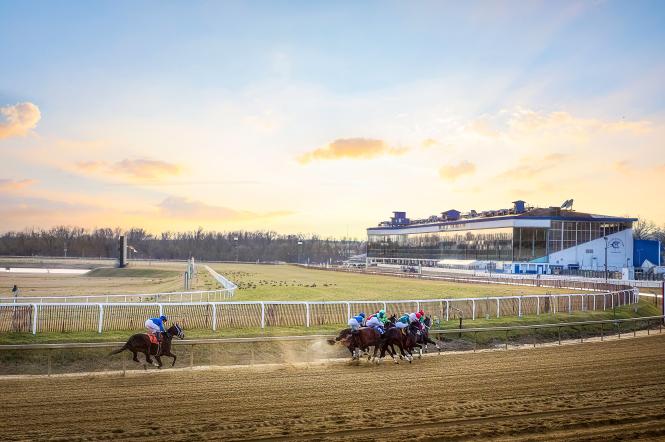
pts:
pixel 171 355
pixel 159 361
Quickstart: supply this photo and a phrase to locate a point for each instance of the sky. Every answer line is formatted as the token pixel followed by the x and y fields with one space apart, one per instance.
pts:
pixel 324 117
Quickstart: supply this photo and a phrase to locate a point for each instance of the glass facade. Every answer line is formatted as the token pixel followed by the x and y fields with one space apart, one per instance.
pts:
pixel 485 244
pixel 565 234
pixel 518 244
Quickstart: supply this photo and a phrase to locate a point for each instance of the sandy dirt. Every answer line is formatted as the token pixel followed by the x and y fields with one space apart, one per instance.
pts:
pixel 594 391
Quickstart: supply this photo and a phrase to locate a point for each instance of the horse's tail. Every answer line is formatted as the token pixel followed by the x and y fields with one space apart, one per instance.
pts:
pixel 120 350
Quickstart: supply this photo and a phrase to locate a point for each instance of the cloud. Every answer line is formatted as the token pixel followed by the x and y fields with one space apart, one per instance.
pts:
pixel 7 185
pixel 645 172
pixel 452 172
pixel 138 170
pixel 429 142
pixel 185 208
pixel 353 148
pixel 18 119
pixel 623 167
pixel 519 124
pixel 530 166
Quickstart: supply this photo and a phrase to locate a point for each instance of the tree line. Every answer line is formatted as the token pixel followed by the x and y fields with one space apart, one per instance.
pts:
pixel 263 246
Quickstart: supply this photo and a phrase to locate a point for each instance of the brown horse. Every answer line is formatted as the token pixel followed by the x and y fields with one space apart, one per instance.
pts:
pixel 361 340
pixel 140 343
pixel 393 336
pixel 424 339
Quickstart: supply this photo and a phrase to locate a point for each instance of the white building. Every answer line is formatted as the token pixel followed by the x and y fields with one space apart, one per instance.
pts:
pixel 517 240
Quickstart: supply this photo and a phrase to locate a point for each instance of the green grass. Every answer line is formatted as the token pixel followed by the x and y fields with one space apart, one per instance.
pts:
pixel 292 283
pixel 110 272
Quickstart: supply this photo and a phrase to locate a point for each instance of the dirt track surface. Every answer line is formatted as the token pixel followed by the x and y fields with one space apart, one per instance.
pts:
pixel 595 391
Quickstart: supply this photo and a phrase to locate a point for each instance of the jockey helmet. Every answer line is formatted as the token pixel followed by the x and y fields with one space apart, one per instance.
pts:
pixel 361 314
pixel 382 312
pixel 418 315
pixel 163 318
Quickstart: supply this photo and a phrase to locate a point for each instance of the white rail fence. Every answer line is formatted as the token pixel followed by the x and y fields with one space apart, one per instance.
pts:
pixel 100 317
pixel 228 285
pixel 184 296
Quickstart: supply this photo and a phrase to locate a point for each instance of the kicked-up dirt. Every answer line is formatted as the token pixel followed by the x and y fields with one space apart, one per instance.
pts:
pixel 595 391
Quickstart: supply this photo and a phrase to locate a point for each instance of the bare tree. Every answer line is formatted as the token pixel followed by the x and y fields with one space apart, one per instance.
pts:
pixel 644 229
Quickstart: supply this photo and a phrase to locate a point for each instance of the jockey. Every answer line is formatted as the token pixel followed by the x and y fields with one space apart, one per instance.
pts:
pixel 357 321
pixel 375 323
pixel 403 321
pixel 414 320
pixel 381 316
pixel 155 326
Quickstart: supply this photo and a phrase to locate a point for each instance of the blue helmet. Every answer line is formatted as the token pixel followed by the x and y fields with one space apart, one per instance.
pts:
pixel 362 314
pixel 163 318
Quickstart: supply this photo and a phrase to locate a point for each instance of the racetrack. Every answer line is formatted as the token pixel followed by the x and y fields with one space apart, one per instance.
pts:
pixel 593 391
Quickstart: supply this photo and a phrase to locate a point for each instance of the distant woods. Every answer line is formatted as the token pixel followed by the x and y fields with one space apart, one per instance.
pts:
pixel 201 244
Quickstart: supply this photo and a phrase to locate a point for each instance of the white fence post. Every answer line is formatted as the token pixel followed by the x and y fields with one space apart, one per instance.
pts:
pixel 594 302
pixel 384 305
pixel 538 305
pixel 604 300
pixel 447 309
pixel 570 305
pixel 417 306
pixel 101 318
pixel 214 316
pixel 263 315
pixel 498 307
pixel 473 309
pixel 307 314
pixel 555 304
pixel 161 309
pixel 348 311
pixel 34 318
pixel 519 307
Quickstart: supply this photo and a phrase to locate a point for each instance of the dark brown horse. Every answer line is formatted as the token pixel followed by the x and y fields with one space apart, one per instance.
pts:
pixel 393 336
pixel 424 339
pixel 140 343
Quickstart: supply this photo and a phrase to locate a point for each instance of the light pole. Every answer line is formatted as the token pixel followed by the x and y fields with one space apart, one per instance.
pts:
pixel 606 240
pixel 235 242
pixel 299 250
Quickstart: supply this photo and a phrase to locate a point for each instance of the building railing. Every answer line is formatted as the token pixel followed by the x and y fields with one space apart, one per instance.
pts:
pixel 100 317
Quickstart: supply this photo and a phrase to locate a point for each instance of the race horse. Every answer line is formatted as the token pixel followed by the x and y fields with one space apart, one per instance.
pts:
pixel 141 343
pixel 360 341
pixel 418 337
pixel 424 339
pixel 391 338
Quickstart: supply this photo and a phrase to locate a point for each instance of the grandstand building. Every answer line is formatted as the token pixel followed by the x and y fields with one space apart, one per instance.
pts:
pixel 521 239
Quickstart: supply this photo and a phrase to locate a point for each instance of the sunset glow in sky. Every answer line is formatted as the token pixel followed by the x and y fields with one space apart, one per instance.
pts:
pixel 323 118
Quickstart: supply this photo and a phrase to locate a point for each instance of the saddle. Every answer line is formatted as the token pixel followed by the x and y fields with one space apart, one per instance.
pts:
pixel 155 341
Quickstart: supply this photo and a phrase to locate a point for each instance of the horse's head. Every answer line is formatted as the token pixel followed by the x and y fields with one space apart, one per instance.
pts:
pixel 176 330
pixel 393 318
pixel 428 321
pixel 341 336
